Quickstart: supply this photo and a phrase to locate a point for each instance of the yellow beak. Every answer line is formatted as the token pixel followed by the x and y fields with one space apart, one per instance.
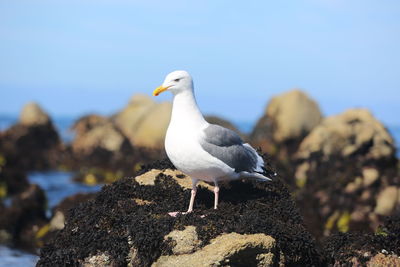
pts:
pixel 160 89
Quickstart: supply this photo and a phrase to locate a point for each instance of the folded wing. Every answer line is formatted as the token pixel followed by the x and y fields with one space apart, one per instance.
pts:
pixel 228 147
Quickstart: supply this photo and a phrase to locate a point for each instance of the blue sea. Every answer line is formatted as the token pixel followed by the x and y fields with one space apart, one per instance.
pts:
pixel 59 185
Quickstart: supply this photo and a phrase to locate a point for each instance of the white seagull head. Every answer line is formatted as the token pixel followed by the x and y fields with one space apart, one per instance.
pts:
pixel 177 81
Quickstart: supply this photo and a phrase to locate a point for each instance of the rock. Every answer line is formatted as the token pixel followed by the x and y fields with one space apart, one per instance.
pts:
pixel 98 141
pixel 24 217
pixel 94 176
pixel 387 200
pixel 144 121
pixel 128 222
pixel 288 118
pixel 102 153
pixel 149 178
pixel 354 186
pixel 153 127
pixel 94 132
pixel 58 221
pixel 382 260
pixel 33 143
pixel 71 201
pixel 370 176
pixel 97 260
pixel 350 158
pixel 353 132
pixel 87 123
pixel 60 215
pixel 129 118
pixel 12 181
pixel 233 248
pixel 362 249
pixel 32 115
pixel 186 240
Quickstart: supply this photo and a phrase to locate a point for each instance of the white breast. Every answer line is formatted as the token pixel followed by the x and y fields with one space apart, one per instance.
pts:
pixel 185 152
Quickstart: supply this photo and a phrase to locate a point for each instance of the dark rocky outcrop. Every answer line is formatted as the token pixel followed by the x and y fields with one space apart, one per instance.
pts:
pixel 12 181
pixel 127 224
pixel 61 211
pixel 60 214
pixel 21 221
pixel 366 249
pixel 346 174
pixel 33 143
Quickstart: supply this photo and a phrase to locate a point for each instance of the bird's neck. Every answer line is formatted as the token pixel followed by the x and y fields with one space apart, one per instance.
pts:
pixel 185 110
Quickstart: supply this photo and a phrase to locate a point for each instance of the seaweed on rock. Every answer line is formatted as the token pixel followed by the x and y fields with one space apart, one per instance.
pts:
pixel 343 248
pixel 115 225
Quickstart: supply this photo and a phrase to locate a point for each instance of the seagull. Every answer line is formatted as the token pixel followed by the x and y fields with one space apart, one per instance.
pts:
pixel 201 150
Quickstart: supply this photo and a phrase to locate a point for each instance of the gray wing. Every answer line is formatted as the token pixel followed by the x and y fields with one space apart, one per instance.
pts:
pixel 227 146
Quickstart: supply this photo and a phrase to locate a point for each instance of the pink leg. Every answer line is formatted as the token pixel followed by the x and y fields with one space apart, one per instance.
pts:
pixel 194 191
pixel 216 194
pixel 192 197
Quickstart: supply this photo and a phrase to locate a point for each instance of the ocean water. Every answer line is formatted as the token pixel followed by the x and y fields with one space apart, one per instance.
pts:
pixel 59 185
pixel 16 258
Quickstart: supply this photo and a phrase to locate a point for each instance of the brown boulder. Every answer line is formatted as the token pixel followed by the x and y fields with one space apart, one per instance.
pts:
pixel 98 141
pixel 288 118
pixel 87 123
pixel 384 260
pixel 355 131
pixel 242 250
pixel 32 114
pixel 101 135
pixel 144 121
pixel 153 127
pixel 387 200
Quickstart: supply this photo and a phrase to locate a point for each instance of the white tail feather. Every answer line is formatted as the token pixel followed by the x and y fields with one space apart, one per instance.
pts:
pixel 260 160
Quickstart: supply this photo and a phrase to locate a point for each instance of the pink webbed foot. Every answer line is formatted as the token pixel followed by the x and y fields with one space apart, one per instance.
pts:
pixel 175 213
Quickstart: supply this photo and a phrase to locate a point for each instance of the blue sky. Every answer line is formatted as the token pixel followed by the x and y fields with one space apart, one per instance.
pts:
pixel 75 57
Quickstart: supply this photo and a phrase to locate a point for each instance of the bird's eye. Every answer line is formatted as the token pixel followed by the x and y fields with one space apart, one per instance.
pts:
pixel 176 80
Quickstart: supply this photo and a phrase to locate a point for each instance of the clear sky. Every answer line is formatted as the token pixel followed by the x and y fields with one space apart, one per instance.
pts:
pixel 75 57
